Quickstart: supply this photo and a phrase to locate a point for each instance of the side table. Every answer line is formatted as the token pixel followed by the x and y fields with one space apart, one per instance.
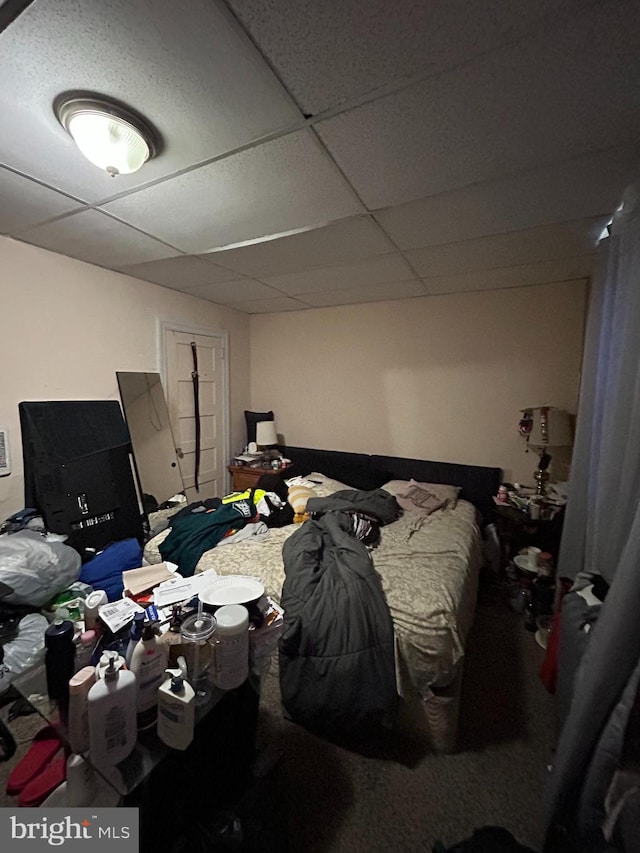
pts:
pixel 516 530
pixel 247 476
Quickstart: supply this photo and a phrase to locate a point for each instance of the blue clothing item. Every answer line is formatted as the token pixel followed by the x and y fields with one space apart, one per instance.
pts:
pixel 105 570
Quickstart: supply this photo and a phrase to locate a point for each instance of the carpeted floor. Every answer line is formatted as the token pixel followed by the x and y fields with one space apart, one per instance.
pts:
pixel 321 797
pixel 311 796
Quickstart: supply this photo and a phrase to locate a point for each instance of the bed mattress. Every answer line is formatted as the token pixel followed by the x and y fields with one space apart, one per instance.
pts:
pixel 429 573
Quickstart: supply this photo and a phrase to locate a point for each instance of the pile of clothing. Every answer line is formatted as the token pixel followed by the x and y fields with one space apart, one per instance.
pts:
pixel 206 524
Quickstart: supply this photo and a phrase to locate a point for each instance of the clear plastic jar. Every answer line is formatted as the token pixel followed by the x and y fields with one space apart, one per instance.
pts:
pixel 197 631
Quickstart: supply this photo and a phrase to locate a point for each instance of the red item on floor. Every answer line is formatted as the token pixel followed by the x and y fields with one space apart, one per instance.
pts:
pixel 548 671
pixel 44 747
pixel 549 668
pixel 44 783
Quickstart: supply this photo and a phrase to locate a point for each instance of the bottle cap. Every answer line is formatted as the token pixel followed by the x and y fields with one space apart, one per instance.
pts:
pixel 149 630
pixel 232 618
pixel 87 638
pixel 137 625
pixel 111 673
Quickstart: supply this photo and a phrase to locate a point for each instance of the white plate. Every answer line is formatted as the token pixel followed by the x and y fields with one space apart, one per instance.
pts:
pixel 523 564
pixel 232 589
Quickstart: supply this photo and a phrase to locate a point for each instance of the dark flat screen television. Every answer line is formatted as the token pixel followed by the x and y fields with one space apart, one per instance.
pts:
pixel 78 471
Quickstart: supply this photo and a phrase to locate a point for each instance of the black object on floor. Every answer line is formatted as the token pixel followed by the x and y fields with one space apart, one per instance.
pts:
pixel 21 707
pixel 487 839
pixel 7 743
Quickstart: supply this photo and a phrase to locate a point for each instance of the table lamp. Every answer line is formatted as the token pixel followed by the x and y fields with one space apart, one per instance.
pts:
pixel 266 435
pixel 543 427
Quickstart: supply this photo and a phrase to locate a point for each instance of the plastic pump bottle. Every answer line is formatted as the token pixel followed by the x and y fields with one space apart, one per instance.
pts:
pixel 82 787
pixel 112 716
pixel 78 726
pixel 148 663
pixel 135 636
pixel 176 708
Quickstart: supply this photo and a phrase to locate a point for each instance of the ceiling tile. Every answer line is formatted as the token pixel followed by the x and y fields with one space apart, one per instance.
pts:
pixel 567 239
pixel 587 186
pixel 268 306
pixel 278 186
pixel 241 290
pixel 508 111
pixel 91 236
pixel 383 268
pixel 563 269
pixel 347 240
pixel 183 272
pixel 365 293
pixel 24 203
pixel 197 77
pixel 327 53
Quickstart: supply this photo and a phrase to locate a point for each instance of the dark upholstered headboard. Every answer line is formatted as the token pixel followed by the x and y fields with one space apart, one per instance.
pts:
pixel 362 471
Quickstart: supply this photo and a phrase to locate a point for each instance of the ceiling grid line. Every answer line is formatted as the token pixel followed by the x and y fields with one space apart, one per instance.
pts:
pixel 440 152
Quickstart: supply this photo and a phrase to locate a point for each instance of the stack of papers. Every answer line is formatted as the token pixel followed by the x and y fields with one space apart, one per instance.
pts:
pixel 179 589
pixel 247 458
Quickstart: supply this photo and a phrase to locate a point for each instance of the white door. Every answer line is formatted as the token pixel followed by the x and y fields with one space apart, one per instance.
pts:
pixel 213 402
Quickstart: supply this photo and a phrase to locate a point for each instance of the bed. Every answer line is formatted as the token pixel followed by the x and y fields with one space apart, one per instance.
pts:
pixel 428 566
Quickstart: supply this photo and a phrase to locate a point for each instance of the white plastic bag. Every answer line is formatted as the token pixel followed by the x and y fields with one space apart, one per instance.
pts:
pixel 25 650
pixel 36 569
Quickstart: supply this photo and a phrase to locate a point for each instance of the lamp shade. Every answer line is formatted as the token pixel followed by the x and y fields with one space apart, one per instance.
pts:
pixel 546 426
pixel 266 435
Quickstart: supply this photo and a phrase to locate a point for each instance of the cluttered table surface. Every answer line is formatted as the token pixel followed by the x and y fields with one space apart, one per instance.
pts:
pixel 180 645
pixel 526 518
pixel 148 752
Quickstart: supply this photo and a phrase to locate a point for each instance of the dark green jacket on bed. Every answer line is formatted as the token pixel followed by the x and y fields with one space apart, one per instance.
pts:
pixel 337 669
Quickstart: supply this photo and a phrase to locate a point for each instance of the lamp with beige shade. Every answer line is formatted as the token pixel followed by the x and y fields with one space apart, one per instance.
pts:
pixel 267 440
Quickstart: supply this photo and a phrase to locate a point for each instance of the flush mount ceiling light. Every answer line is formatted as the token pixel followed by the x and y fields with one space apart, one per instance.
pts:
pixel 110 136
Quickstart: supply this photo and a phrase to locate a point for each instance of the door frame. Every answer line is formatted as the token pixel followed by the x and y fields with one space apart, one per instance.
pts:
pixel 164 326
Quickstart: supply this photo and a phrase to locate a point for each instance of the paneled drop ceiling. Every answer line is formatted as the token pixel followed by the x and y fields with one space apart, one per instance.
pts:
pixel 320 153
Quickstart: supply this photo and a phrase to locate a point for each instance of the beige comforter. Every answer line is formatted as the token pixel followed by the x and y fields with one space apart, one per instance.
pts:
pixel 429 573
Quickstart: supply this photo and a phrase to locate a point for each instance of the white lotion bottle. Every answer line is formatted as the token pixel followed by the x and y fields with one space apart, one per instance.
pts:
pixel 176 708
pixel 112 716
pixel 79 686
pixel 82 787
pixel 148 663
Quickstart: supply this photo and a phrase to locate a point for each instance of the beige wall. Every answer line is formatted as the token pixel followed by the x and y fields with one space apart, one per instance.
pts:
pixel 440 377
pixel 68 326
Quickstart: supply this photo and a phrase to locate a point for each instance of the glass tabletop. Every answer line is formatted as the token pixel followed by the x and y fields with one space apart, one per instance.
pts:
pixel 148 752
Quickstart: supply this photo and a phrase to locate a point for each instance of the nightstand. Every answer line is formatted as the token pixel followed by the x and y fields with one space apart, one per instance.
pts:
pixel 246 476
pixel 516 530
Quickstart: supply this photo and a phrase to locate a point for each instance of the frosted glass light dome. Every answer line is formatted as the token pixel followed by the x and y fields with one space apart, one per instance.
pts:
pixel 109 137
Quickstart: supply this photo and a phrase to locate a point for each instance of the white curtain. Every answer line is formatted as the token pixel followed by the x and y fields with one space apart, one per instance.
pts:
pixel 605 475
pixel 602 526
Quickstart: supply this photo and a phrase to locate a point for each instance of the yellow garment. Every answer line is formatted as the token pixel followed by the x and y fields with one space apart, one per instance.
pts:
pixel 258 494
